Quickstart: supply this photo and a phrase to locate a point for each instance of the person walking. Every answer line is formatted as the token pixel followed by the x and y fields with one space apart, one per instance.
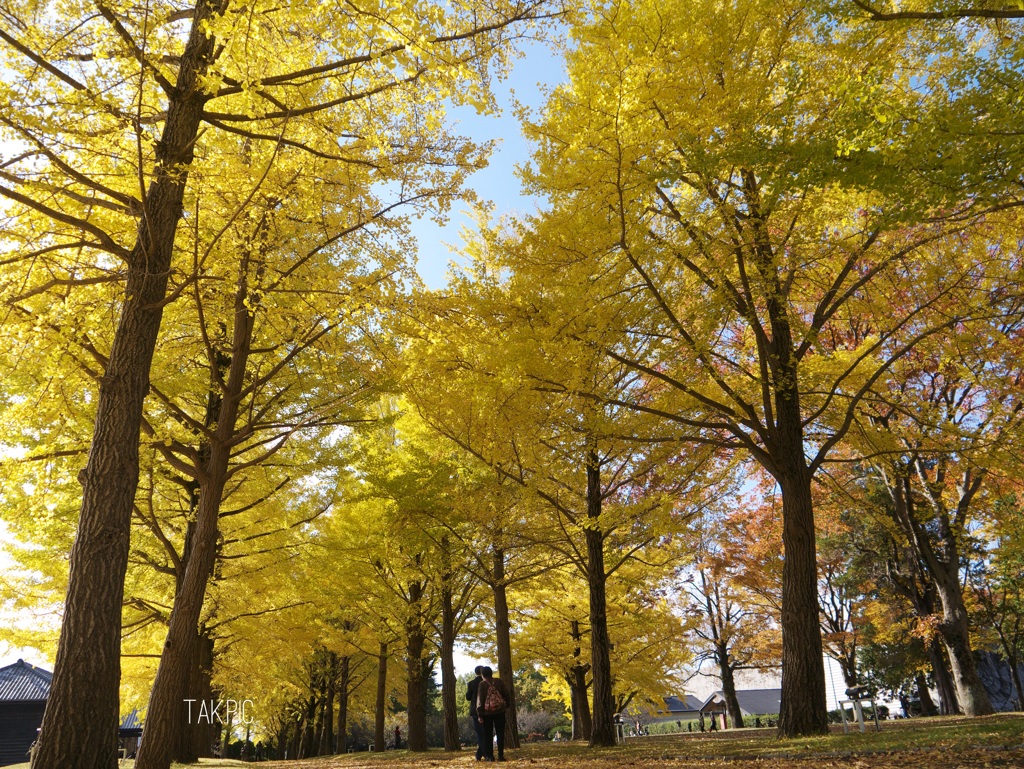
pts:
pixel 471 694
pixel 492 702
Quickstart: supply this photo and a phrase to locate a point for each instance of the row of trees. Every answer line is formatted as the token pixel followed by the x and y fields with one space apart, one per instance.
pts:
pixel 729 284
pixel 229 179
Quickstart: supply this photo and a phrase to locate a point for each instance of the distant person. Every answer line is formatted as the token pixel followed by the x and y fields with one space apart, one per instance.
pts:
pixel 491 704
pixel 471 692
pixel 398 737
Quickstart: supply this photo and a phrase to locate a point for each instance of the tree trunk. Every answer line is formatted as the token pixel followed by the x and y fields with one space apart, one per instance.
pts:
pixel 803 709
pixel 167 707
pixel 732 704
pixel 1015 672
pixel 196 738
pixel 448 680
pixel 318 731
pixel 582 726
pixel 849 667
pixel 185 745
pixel 503 638
pixel 225 740
pixel 415 669
pixel 327 734
pixel 970 691
pixel 927 706
pixel 166 702
pixel 936 548
pixel 306 746
pixel 82 712
pixel 382 691
pixel 191 731
pixel 344 681
pixel 282 742
pixel 293 747
pixel 603 730
pixel 948 705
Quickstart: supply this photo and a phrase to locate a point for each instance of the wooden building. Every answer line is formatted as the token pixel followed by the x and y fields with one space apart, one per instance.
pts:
pixel 753 702
pixel 685 708
pixel 23 692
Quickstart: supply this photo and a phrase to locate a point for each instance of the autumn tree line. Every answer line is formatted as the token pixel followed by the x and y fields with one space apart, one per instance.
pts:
pixel 750 375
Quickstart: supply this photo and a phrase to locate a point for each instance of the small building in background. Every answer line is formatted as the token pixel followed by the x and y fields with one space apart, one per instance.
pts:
pixel 753 702
pixel 24 689
pixel 129 734
pixel 686 708
pixel 23 692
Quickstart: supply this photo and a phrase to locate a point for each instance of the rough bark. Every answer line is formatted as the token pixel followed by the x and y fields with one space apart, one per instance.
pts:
pixel 327 734
pixel 970 691
pixel 282 742
pixel 918 587
pixel 577 680
pixel 296 741
pixel 941 563
pixel 732 703
pixel 1017 684
pixel 318 731
pixel 927 706
pixel 166 703
pixel 503 637
pixel 803 708
pixel 191 732
pixel 582 726
pixel 603 730
pixel 195 738
pixel 948 705
pixel 382 691
pixel 416 686
pixel 448 680
pixel 306 746
pixel 80 724
pixel 344 682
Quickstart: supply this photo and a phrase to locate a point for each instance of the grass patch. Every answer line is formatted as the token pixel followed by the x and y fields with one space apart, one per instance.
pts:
pixel 922 743
pixel 962 742
pixel 204 763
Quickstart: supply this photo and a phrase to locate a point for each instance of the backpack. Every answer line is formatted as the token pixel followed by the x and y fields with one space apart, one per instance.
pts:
pixel 495 702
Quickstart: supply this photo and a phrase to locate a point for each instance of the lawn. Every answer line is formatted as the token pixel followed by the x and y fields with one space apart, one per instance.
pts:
pixel 950 743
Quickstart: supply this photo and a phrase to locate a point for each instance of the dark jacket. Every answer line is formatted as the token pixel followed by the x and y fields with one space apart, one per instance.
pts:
pixel 471 691
pixel 482 695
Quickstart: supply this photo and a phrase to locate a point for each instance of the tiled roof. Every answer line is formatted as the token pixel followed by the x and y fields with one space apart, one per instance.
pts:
pixel 753 702
pixel 675 705
pixel 22 682
pixel 759 702
pixel 131 721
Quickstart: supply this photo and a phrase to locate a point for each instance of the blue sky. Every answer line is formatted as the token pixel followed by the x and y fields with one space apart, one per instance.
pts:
pixel 539 69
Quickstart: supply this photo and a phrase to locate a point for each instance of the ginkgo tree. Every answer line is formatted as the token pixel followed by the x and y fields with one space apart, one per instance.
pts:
pixel 742 224
pixel 602 488
pixel 110 121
